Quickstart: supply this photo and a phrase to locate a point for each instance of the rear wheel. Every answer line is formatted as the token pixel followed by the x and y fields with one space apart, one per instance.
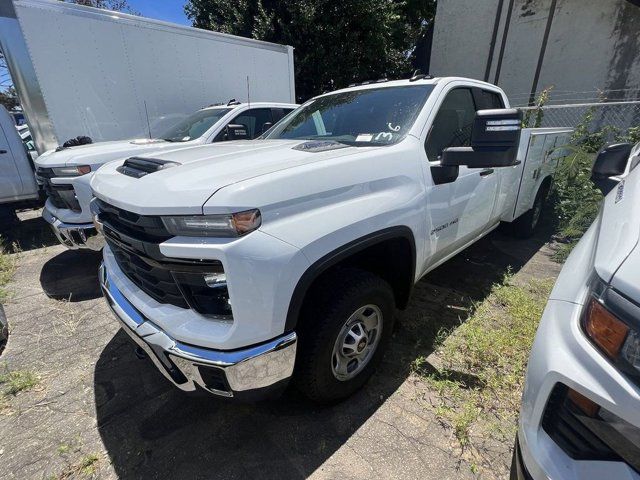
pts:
pixel 348 322
pixel 526 225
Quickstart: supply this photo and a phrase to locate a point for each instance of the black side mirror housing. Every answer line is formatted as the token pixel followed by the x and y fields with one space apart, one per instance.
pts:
pixel 237 132
pixel 494 141
pixel 610 162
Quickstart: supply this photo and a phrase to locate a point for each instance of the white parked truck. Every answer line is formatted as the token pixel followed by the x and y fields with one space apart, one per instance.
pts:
pixel 580 414
pixel 18 186
pixel 238 266
pixel 82 71
pixel 66 173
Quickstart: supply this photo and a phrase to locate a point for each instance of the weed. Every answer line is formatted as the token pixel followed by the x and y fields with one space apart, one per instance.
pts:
pixel 64 448
pixel 7 267
pixel 88 464
pixel 484 361
pixel 18 381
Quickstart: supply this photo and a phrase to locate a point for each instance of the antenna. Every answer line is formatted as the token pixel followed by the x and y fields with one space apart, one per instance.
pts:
pixel 146 112
pixel 248 92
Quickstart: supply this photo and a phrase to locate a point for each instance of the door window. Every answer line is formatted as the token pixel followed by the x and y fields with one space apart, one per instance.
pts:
pixel 254 120
pixel 278 113
pixel 490 100
pixel 453 123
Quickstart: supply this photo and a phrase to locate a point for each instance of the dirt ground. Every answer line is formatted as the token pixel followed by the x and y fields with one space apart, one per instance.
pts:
pixel 97 411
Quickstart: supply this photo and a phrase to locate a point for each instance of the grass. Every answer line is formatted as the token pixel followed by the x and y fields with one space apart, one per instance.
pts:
pixel 482 364
pixel 17 381
pixel 87 467
pixel 7 267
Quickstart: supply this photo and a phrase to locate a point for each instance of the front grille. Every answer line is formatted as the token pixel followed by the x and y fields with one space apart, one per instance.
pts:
pixel 61 196
pixel 144 228
pixel 151 278
pixel 134 240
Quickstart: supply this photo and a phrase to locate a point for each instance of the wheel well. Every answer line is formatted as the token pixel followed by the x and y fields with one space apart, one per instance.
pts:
pixel 390 254
pixel 545 186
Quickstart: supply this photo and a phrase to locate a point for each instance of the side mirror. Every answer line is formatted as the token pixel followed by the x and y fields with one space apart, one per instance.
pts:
pixel 610 162
pixel 266 126
pixel 237 132
pixel 494 141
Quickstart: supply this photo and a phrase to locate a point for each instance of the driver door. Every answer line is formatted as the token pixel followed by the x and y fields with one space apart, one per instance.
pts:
pixel 459 211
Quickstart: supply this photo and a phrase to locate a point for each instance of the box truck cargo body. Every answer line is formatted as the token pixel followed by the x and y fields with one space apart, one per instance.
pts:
pixel 112 76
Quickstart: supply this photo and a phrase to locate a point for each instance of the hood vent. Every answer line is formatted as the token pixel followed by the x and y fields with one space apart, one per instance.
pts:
pixel 138 167
pixel 315 146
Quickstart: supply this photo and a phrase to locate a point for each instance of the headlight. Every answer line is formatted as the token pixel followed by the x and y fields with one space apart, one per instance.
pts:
pixel 71 171
pixel 223 225
pixel 95 215
pixel 611 322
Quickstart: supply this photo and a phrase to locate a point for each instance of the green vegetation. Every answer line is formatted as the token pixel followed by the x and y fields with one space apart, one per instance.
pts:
pixel 482 364
pixel 576 200
pixel 336 43
pixel 7 267
pixel 17 381
pixel 88 464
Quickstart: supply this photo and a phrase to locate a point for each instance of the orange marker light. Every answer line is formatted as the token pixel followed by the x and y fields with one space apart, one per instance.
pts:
pixel 605 330
pixel 588 407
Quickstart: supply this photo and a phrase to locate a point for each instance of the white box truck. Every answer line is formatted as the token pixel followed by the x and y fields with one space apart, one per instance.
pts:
pixel 82 71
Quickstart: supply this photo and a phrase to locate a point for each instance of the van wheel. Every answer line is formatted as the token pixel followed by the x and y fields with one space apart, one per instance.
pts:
pixel 348 322
pixel 525 226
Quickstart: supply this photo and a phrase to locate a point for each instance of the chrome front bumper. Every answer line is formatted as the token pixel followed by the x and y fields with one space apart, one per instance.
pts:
pixel 74 236
pixel 248 373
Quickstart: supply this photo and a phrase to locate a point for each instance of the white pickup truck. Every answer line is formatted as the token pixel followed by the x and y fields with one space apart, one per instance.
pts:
pixel 18 187
pixel 238 266
pixel 66 173
pixel 580 414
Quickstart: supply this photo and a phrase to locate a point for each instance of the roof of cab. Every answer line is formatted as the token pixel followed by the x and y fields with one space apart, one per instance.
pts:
pixel 405 82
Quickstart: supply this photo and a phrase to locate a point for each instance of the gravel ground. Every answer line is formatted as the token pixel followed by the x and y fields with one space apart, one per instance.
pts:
pixel 97 411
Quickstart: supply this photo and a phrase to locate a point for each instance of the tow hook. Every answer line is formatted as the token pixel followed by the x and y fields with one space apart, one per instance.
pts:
pixel 140 353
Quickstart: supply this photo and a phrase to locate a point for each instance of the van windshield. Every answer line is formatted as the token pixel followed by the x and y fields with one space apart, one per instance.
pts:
pixel 194 126
pixel 377 116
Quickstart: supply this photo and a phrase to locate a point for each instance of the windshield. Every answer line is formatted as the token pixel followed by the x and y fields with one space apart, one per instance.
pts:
pixel 195 125
pixel 379 116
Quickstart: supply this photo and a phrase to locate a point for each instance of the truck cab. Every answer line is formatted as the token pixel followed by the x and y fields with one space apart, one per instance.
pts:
pixel 237 267
pixel 17 183
pixel 66 172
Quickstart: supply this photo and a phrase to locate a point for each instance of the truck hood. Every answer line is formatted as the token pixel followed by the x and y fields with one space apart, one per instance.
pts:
pixel 203 170
pixel 617 258
pixel 96 154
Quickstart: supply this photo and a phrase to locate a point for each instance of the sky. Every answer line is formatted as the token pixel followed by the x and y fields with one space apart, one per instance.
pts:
pixel 167 10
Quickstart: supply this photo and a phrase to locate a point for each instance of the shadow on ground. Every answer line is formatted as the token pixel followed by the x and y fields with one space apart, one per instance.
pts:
pixel 29 233
pixel 151 429
pixel 72 275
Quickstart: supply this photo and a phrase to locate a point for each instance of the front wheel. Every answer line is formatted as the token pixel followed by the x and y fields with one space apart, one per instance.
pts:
pixel 348 322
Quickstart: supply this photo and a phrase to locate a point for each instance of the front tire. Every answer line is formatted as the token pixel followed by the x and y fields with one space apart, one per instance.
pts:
pixel 348 321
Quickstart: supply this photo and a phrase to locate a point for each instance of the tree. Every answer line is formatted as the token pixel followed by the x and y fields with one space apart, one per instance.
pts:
pixel 115 5
pixel 336 43
pixel 9 98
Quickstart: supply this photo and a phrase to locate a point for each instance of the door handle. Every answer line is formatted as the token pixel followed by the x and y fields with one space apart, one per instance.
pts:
pixel 2 152
pixel 486 172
